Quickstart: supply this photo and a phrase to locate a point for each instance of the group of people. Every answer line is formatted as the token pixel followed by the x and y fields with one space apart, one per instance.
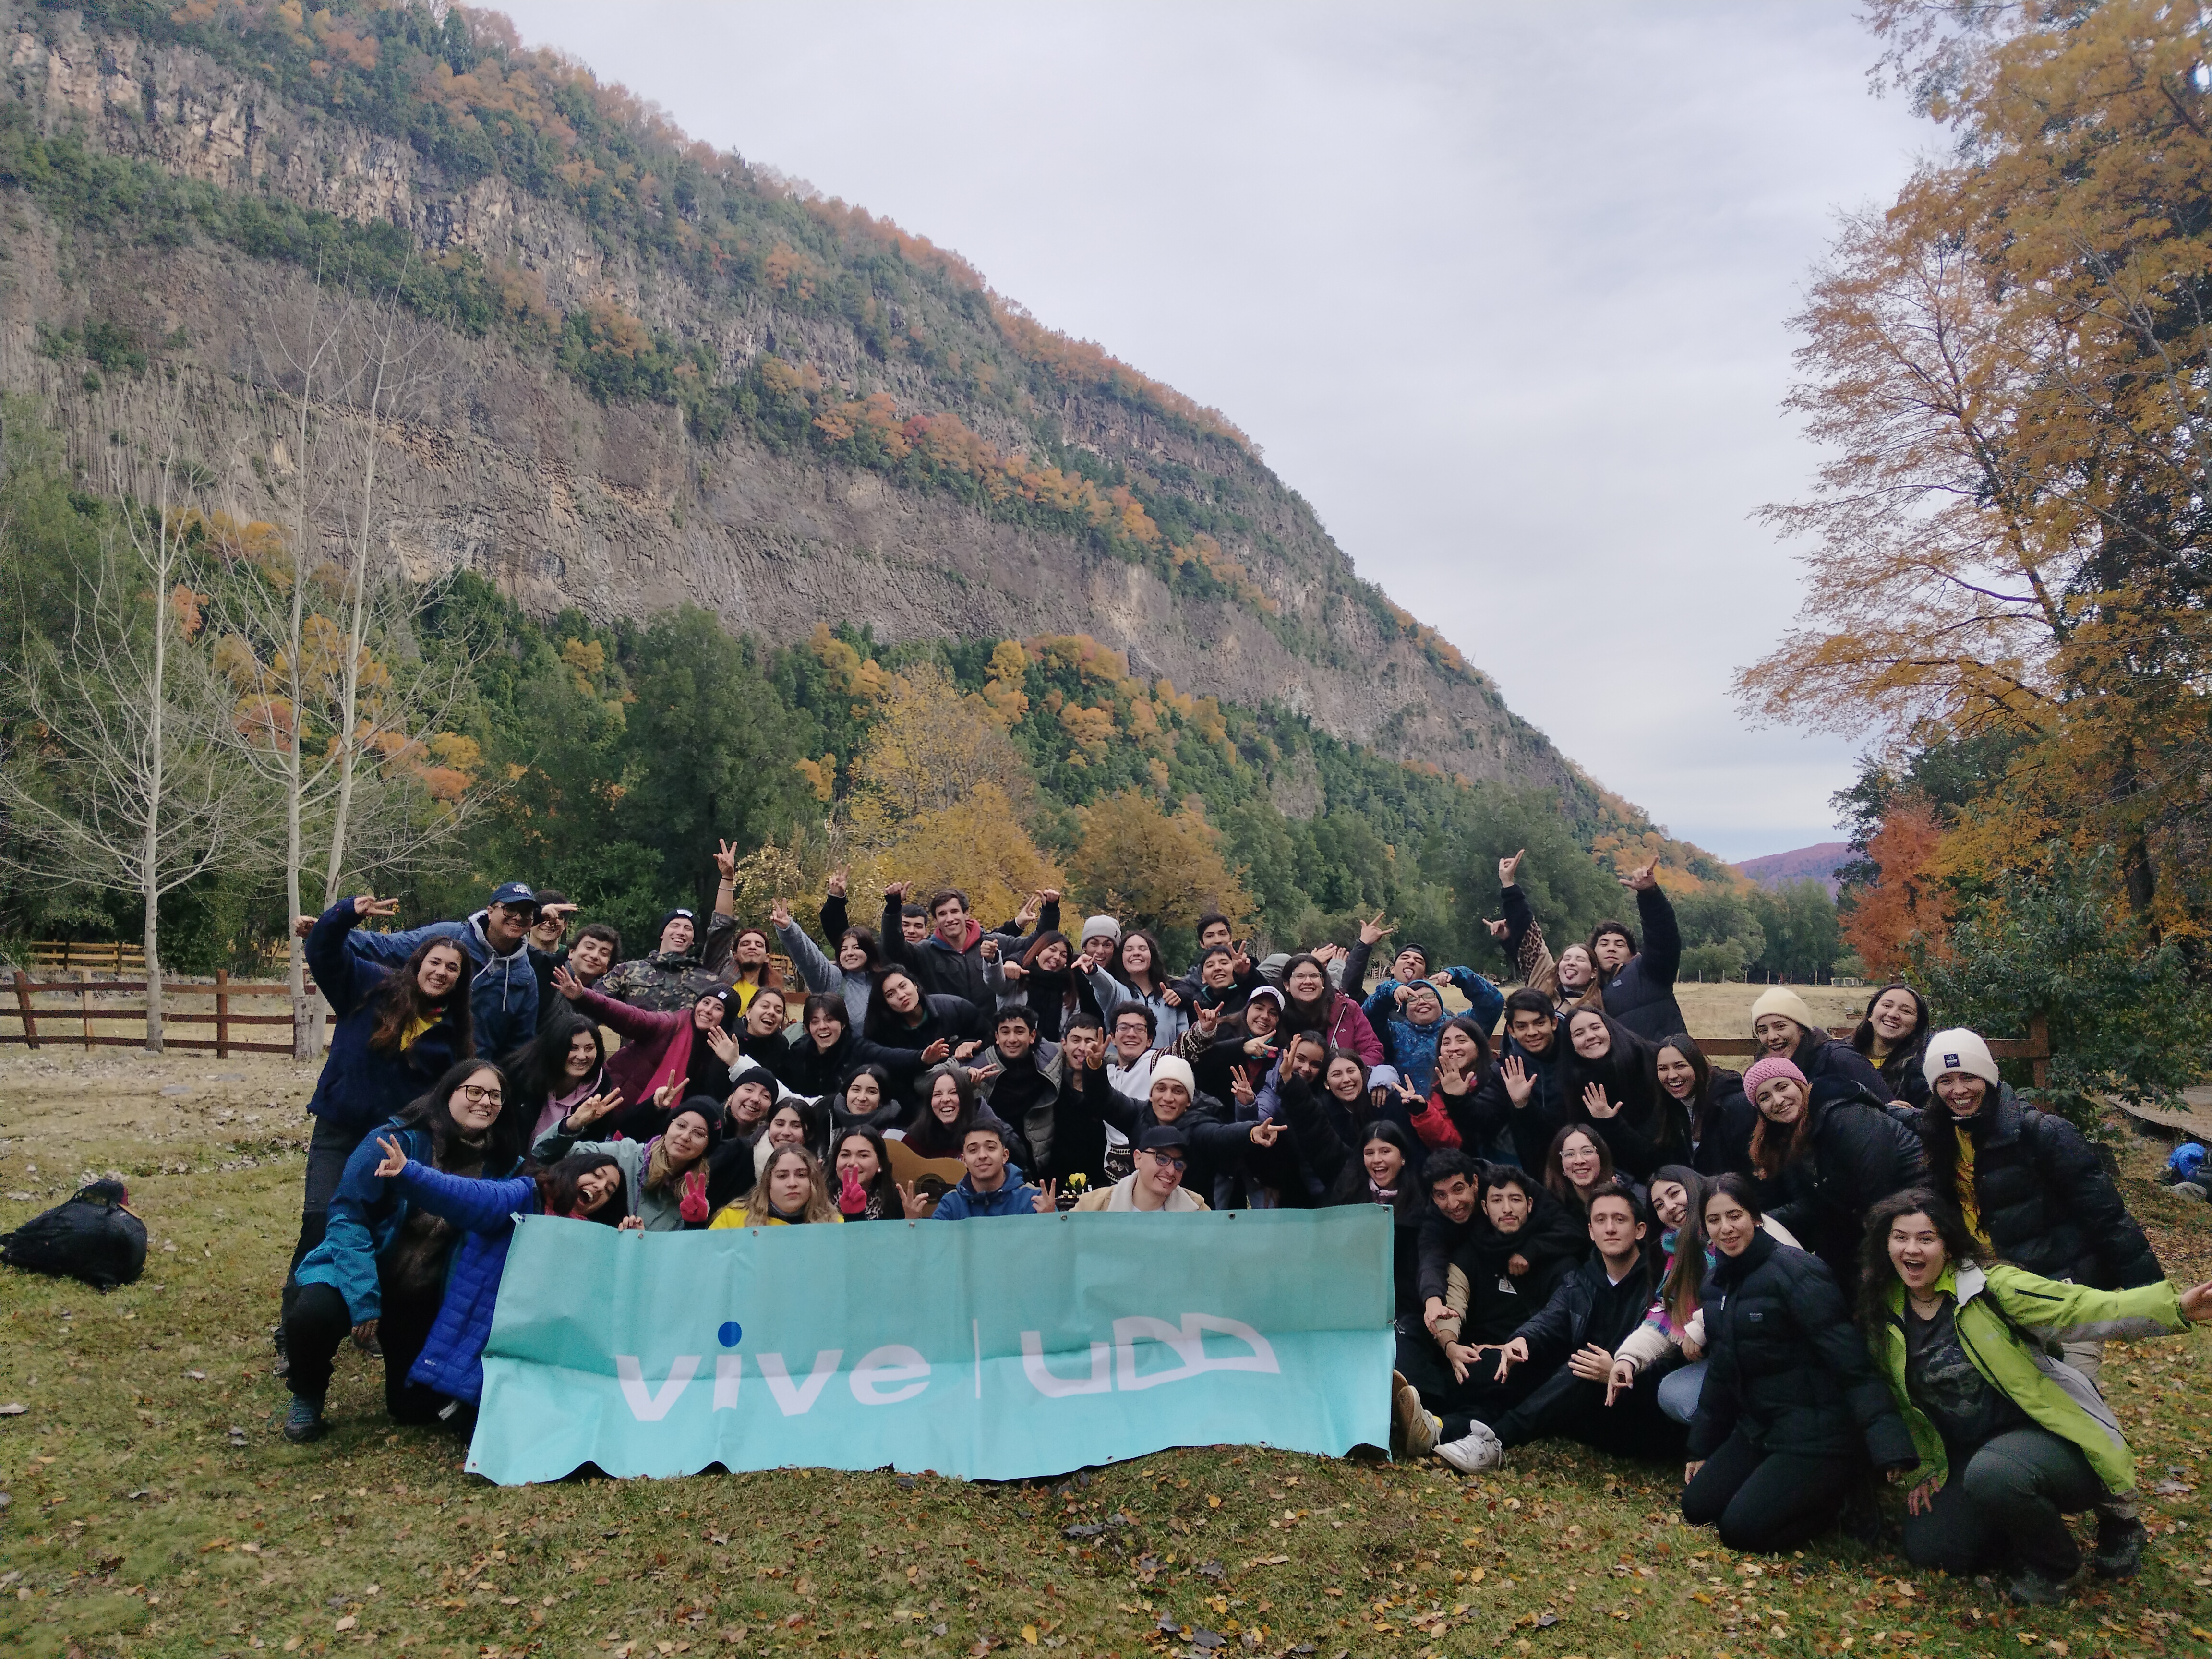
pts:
pixel 1855 1257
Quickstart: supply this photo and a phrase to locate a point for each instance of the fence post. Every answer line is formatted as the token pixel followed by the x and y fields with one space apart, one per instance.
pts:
pixel 2039 1030
pixel 23 1002
pixel 84 1004
pixel 222 1013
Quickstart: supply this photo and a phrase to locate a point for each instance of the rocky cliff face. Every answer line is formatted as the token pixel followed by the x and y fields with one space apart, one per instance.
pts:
pixel 507 466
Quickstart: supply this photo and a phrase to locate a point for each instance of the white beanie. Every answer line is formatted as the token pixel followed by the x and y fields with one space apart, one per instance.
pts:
pixel 1097 925
pixel 1781 999
pixel 1959 1050
pixel 1174 1068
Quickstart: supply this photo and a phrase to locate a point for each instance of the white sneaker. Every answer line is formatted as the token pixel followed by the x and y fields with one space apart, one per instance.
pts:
pixel 1478 1449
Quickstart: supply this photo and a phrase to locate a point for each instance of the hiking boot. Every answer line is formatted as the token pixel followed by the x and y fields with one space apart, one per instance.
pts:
pixel 304 1421
pixel 2035 1589
pixel 1476 1451
pixel 2120 1539
pixel 1413 1428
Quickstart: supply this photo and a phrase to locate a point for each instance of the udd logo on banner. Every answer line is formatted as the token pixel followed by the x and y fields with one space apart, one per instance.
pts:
pixel 895 1372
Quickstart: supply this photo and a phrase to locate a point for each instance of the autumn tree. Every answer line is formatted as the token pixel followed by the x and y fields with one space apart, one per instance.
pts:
pixel 2011 370
pixel 1907 900
pixel 1154 869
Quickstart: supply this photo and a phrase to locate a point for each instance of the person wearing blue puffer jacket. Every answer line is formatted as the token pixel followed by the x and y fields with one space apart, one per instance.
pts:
pixel 1408 1015
pixel 399 1029
pixel 379 1273
pixel 582 1187
pixel 992 1185
pixel 503 986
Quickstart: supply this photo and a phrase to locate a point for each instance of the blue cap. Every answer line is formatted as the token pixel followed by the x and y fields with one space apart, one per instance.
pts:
pixel 514 892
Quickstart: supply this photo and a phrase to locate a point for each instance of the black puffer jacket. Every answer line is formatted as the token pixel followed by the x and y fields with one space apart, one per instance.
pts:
pixel 1859 1156
pixel 1834 1070
pixel 1787 1366
pixel 1641 994
pixel 2045 1201
pixel 1648 1127
pixel 1529 1128
pixel 1588 1308
pixel 1903 1074
pixel 1730 1119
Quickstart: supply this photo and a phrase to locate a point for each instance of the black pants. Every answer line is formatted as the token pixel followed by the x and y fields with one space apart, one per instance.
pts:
pixel 2014 1490
pixel 1480 1399
pixel 1767 1501
pixel 317 1322
pixel 328 1149
pixel 1565 1406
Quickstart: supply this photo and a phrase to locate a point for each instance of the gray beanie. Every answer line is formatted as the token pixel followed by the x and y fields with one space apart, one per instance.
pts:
pixel 1097 925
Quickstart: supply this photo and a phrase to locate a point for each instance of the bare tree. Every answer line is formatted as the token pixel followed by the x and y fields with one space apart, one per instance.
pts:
pixel 130 780
pixel 318 637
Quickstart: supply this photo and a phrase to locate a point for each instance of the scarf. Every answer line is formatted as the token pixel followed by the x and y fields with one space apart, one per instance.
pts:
pixel 1382 1195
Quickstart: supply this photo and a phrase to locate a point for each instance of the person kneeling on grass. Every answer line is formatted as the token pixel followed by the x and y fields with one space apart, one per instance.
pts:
pixel 993 1185
pixel 1593 1312
pixel 380 1271
pixel 2009 1441
pixel 1163 1155
pixel 582 1187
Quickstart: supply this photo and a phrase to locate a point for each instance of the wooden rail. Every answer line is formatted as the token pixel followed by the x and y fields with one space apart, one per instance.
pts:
pixel 2035 1047
pixel 85 1014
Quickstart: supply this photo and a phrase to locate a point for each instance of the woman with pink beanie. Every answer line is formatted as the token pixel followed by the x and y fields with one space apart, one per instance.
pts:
pixel 1826 1160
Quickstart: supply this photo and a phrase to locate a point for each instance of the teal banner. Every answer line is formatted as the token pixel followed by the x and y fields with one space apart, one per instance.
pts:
pixel 992 1349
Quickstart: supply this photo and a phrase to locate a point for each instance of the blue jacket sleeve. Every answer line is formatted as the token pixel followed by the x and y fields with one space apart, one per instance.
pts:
pixel 342 980
pixel 1485 1001
pixel 473 1205
pixel 397 947
pixel 350 1236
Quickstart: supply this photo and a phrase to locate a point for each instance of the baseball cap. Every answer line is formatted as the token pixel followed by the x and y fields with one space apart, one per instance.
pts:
pixel 1162 1137
pixel 514 893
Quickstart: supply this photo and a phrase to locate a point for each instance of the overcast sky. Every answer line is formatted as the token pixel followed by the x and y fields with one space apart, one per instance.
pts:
pixel 1501 289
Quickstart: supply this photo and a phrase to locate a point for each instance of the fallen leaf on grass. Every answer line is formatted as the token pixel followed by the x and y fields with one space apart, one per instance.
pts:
pixel 347 1622
pixel 14 1408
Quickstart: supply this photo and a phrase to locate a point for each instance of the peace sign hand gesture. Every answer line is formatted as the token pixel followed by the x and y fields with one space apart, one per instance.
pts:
pixel 1048 1198
pixel 725 860
pixel 368 905
pixel 395 1157
pixel 594 1109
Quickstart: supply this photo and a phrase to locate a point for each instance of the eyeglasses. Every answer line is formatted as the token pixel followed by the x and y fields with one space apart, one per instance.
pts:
pixel 476 1094
pixel 1167 1163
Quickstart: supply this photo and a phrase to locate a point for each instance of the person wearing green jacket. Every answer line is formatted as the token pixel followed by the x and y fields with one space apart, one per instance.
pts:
pixel 2010 1440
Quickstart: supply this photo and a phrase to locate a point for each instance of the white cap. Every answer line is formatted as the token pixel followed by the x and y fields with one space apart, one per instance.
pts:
pixel 1959 1050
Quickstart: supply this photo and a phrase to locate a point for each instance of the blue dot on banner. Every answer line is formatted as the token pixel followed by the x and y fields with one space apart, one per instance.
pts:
pixel 730 1333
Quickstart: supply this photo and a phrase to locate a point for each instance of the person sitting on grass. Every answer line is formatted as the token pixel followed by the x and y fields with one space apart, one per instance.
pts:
pixel 379 1272
pixel 1156 1184
pixel 582 1187
pixel 790 1192
pixel 1572 1338
pixel 993 1185
pixel 2009 1442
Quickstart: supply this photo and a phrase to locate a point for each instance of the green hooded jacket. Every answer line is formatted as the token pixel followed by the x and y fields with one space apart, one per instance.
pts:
pixel 1996 1305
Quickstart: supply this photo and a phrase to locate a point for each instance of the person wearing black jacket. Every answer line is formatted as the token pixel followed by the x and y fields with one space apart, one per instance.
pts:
pixel 1386 1170
pixel 1018 1080
pixel 1720 1115
pixel 1570 1342
pixel 907 1032
pixel 1830 1158
pixel 1218 1146
pixel 1791 1400
pixel 2029 1186
pixel 1783 1025
pixel 1087 1103
pixel 1894 1039
pixel 949 962
pixel 1521 1097
pixel 815 1060
pixel 1608 1080
pixel 1639 985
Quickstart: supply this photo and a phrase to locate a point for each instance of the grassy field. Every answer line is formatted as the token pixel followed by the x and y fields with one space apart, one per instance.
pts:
pixel 151 1507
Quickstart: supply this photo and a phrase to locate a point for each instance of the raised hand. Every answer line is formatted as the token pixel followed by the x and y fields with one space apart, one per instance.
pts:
pixel 1325 954
pixel 1507 866
pixel 1596 1104
pixel 897 890
pixel 594 1108
pixel 1048 1198
pixel 1241 1087
pixel 725 860
pixel 1519 1086
pixel 983 1073
pixel 1412 1095
pixel 836 884
pixel 779 913
pixel 302 925
pixel 1028 913
pixel 1266 1130
pixel 917 1209
pixel 723 1045
pixel 1049 895
pixel 966 1050
pixel 1640 880
pixel 989 949
pixel 670 1095
pixel 1501 930
pixel 395 1157
pixel 631 1224
pixel 567 983
pixel 1374 931
pixel 1208 1021
pixel 367 904
pixel 1172 997
pixel 936 1053
pixel 852 1197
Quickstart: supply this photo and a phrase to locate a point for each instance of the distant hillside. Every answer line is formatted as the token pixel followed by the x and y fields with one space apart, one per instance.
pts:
pixel 1820 861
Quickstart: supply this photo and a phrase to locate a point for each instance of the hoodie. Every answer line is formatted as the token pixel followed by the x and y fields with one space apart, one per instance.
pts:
pixel 502 990
pixel 1013 1196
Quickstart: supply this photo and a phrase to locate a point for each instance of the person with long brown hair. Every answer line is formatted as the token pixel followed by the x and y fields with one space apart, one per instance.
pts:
pixel 790 1192
pixel 399 1029
pixel 1826 1162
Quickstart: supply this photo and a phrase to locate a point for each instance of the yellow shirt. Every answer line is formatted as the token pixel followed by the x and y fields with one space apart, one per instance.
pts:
pixel 1970 1209
pixel 733 1215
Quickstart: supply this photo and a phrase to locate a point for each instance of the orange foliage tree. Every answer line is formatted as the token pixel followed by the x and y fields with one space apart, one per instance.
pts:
pixel 1908 900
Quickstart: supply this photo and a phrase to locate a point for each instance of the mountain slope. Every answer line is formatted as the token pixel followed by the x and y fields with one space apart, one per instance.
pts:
pixel 1819 862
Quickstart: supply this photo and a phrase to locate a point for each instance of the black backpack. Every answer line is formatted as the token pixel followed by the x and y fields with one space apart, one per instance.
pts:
pixel 93 1237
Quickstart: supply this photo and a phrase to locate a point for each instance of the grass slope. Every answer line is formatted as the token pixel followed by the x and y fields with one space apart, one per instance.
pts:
pixel 153 1509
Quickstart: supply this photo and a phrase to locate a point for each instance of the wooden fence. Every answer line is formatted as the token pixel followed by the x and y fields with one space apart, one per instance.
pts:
pixel 91 1009
pixel 106 957
pixel 2035 1047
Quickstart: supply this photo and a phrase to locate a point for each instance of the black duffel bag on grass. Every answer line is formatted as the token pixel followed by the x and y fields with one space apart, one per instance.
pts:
pixel 94 1238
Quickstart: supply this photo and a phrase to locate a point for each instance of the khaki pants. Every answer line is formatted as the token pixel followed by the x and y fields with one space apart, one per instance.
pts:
pixel 2087 1358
